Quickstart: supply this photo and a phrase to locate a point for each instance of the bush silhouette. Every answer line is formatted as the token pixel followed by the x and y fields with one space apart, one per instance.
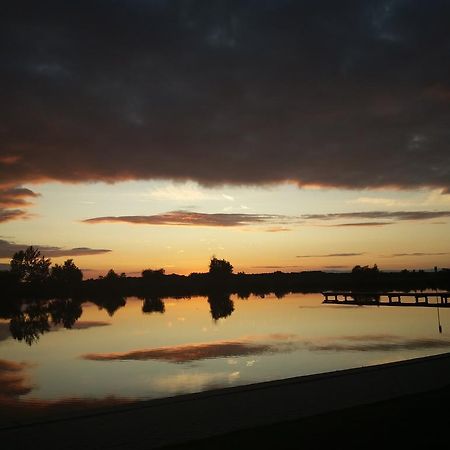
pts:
pixel 30 266
pixel 220 267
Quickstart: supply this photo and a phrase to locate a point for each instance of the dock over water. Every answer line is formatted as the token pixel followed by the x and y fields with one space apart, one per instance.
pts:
pixel 423 299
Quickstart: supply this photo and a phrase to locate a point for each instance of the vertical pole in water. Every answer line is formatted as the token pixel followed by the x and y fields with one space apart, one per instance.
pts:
pixel 439 321
pixel 439 300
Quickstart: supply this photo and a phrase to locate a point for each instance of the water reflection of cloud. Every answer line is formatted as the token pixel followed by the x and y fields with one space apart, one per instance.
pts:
pixel 192 382
pixel 382 343
pixel 16 404
pixel 34 410
pixel 4 331
pixel 271 343
pixel 249 345
pixel 85 324
pixel 186 353
pixel 14 379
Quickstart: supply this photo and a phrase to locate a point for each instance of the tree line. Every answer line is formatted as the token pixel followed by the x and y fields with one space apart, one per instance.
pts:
pixel 32 275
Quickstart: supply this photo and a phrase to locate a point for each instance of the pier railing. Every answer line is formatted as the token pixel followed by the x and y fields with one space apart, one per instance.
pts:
pixel 430 299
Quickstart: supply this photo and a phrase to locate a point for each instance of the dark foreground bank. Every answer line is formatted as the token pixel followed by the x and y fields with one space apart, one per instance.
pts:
pixel 412 421
pixel 316 409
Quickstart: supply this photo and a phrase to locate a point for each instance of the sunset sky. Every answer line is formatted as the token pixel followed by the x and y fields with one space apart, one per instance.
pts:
pixel 280 135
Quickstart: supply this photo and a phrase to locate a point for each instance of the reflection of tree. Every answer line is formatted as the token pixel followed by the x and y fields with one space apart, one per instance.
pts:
pixel 153 304
pixel 30 324
pixel 66 311
pixel 68 275
pixel 221 305
pixel 110 302
pixel 9 307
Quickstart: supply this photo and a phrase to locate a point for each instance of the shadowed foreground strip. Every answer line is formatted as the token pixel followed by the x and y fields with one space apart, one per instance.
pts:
pixel 191 417
pixel 414 421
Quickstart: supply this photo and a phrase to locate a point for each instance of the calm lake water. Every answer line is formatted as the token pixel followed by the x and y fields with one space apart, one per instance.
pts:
pixel 178 347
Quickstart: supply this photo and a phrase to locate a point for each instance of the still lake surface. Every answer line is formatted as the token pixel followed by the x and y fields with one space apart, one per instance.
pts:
pixel 177 346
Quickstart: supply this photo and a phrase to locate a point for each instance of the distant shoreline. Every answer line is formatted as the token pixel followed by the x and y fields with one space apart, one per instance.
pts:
pixel 279 283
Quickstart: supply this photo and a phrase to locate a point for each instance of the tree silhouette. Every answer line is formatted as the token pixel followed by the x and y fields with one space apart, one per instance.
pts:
pixel 67 275
pixel 220 267
pixel 30 266
pixel 365 270
pixel 152 274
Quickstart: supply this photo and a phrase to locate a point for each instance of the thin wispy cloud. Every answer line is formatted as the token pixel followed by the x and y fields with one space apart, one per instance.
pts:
pixel 188 192
pixel 16 197
pixel 378 201
pixel 361 224
pixel 276 267
pixel 7 215
pixel 277 222
pixel 12 200
pixel 277 229
pixel 7 249
pixel 331 255
pixel 189 218
pixel 391 215
pixel 417 254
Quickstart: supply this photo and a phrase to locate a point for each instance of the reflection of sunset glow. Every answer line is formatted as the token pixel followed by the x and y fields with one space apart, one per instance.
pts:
pixel 263 339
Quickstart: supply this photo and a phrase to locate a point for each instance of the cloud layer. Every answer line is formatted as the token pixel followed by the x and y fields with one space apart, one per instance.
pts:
pixel 331 255
pixel 193 218
pixel 390 215
pixel 7 249
pixel 12 198
pixel 347 94
pixel 182 218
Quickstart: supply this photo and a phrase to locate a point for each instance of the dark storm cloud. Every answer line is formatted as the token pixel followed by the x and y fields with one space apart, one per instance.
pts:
pixel 351 93
pixel 7 249
pixel 193 218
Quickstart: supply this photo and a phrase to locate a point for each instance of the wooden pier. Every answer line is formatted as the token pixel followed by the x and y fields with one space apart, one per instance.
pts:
pixel 426 299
